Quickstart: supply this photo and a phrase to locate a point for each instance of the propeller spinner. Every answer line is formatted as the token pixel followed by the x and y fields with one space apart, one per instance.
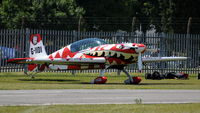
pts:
pixel 140 48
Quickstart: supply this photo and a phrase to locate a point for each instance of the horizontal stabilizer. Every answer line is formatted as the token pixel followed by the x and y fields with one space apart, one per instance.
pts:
pixel 19 60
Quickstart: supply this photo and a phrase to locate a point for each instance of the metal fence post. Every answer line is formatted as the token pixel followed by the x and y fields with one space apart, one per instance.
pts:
pixel 1 53
pixel 26 41
pixel 27 35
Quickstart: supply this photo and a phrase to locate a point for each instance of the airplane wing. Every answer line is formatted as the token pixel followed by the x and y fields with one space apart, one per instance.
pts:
pixel 58 61
pixel 158 59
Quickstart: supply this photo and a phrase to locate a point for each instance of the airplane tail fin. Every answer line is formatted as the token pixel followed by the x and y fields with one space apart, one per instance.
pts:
pixel 37 48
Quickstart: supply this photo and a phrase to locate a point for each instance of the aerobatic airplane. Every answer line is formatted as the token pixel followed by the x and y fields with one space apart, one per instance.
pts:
pixel 90 53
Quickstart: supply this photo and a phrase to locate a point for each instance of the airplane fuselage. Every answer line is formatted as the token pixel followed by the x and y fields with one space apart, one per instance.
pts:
pixel 115 55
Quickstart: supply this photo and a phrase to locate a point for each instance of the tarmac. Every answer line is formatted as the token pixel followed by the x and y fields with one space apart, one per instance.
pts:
pixel 96 96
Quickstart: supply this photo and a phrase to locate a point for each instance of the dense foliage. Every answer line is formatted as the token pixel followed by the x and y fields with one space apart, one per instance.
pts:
pixel 101 15
pixel 38 13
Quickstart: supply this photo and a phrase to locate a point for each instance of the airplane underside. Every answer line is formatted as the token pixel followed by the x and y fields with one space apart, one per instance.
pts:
pixel 101 79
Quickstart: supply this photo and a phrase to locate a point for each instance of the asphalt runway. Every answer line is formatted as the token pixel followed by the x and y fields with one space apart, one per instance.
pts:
pixel 94 96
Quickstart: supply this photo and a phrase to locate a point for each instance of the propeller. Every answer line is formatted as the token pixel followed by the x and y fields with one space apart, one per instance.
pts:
pixel 139 49
pixel 152 50
pixel 140 62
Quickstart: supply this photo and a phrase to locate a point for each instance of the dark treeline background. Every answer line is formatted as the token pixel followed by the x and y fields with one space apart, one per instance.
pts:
pixel 170 16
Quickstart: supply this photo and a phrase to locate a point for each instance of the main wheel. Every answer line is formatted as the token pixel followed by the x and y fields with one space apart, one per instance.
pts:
pixel 99 80
pixel 136 80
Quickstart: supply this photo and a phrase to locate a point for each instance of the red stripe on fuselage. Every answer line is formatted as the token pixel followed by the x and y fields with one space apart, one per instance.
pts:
pixel 78 67
pixel 122 50
pixel 51 56
pixel 57 55
pixel 67 52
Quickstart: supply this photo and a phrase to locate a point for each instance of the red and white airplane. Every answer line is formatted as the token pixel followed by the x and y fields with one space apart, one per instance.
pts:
pixel 90 53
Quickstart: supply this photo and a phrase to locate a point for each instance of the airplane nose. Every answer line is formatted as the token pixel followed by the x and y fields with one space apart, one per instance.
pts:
pixel 140 45
pixel 140 48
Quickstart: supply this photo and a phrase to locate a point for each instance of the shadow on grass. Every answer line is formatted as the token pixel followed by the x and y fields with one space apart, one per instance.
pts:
pixel 139 84
pixel 103 84
pixel 79 82
pixel 163 83
pixel 57 80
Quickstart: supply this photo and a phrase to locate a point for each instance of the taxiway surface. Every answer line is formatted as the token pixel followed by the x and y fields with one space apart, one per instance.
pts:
pixel 94 96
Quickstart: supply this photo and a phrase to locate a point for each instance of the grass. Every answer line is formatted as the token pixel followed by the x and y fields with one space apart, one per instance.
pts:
pixel 82 81
pixel 111 108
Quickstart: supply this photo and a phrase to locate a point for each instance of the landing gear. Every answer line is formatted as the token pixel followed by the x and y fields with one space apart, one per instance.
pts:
pixel 32 74
pixel 131 80
pixel 101 79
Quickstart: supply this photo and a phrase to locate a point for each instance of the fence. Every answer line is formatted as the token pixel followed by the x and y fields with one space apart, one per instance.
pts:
pixel 15 43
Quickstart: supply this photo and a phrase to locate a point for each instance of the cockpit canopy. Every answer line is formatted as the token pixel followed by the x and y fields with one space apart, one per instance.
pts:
pixel 86 43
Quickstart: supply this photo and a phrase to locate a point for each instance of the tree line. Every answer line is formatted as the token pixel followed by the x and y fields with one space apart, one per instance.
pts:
pixel 171 16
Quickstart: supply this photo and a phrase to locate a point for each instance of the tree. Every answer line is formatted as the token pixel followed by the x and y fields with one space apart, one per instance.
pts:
pixel 115 14
pixel 109 15
pixel 102 15
pixel 182 12
pixel 39 13
pixel 158 13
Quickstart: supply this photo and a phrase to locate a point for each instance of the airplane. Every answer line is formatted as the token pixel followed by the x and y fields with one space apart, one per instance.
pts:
pixel 89 53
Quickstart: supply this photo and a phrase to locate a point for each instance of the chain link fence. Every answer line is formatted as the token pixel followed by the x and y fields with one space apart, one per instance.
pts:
pixel 15 44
